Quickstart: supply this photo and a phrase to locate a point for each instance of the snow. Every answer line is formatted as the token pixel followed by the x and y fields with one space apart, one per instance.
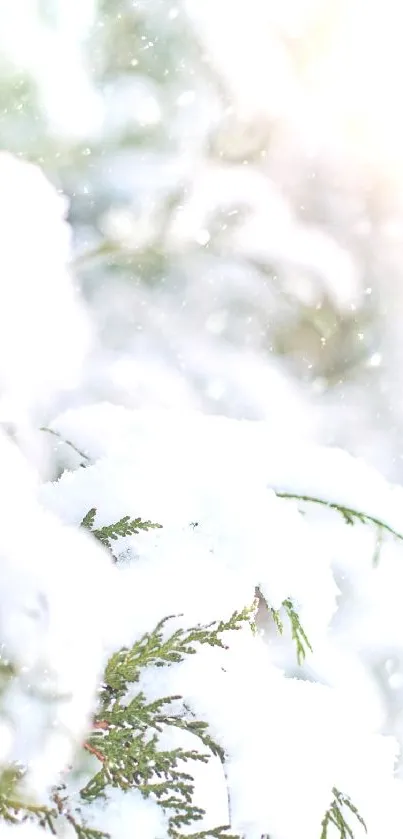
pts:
pixel 212 484
pixel 208 481
pixel 286 740
pixel 305 469
pixel 161 467
pixel 126 814
pixel 39 305
pixel 22 831
pixel 46 575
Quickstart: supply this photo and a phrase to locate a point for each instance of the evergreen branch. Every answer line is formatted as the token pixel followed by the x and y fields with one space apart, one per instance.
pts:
pixel 67 442
pixel 83 831
pixel 298 633
pixel 93 751
pixel 14 810
pixel 151 649
pixel 334 815
pixel 275 613
pixel 215 833
pixel 138 715
pixel 126 730
pixel 132 759
pixel 124 527
pixel 111 532
pixel 89 519
pixel 200 729
pixel 349 514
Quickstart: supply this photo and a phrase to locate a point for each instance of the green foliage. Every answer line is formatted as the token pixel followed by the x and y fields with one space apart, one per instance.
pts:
pixel 275 613
pixel 298 633
pixel 154 649
pixel 335 816
pixel 89 519
pixel 350 516
pixel 15 809
pixel 125 740
pixel 126 732
pixel 111 532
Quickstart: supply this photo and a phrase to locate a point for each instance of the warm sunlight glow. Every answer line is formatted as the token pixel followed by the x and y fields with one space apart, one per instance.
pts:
pixel 352 63
pixel 331 68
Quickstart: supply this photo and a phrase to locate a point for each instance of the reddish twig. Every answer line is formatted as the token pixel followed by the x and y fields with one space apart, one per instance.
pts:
pixel 93 751
pixel 97 725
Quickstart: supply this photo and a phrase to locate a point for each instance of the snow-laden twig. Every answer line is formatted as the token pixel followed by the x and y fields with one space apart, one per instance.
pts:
pixel 348 513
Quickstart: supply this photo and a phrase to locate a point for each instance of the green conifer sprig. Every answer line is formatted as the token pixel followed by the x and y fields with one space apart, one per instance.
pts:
pixel 132 759
pixel 349 514
pixel 125 738
pixel 89 519
pixel 214 833
pixel 154 649
pixel 65 812
pixel 126 732
pixel 14 809
pixel 298 633
pixel 127 728
pixel 155 772
pixel 111 532
pixel 275 613
pixel 335 816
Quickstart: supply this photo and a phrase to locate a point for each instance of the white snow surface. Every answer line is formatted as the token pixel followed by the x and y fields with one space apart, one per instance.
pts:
pixel 127 814
pixel 40 308
pixel 330 474
pixel 209 482
pixel 47 570
pixel 27 830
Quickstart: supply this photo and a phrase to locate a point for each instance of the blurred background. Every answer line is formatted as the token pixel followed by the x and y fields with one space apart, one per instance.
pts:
pixel 235 172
